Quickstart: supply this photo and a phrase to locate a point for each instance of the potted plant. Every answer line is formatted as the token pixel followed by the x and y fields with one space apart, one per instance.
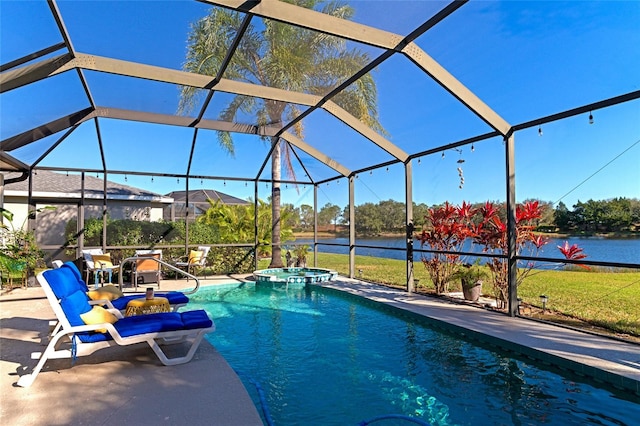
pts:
pixel 19 252
pixel 300 253
pixel 471 277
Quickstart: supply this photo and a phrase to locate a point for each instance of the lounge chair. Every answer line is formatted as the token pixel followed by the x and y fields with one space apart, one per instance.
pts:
pixel 113 295
pixel 176 299
pixel 90 328
pixel 196 259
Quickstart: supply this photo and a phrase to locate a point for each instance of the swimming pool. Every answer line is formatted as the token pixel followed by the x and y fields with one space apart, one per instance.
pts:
pixel 326 359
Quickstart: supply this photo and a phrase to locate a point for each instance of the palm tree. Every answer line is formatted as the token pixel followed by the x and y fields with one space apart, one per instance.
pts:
pixel 283 56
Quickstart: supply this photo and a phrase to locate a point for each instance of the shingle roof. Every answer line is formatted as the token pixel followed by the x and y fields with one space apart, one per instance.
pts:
pixel 203 195
pixel 59 183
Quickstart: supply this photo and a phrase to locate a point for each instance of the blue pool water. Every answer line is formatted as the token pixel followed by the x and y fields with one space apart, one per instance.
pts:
pixel 325 359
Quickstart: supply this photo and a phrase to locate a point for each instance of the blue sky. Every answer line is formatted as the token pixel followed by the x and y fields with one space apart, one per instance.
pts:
pixel 523 59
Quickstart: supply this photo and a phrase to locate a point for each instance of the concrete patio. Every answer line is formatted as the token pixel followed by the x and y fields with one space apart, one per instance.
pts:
pixel 126 385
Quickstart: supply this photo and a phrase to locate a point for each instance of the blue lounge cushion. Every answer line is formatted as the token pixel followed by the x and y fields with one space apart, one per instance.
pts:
pixel 196 319
pixel 76 273
pixel 73 299
pixel 150 323
pixel 74 305
pixel 174 298
pixel 153 323
pixel 62 282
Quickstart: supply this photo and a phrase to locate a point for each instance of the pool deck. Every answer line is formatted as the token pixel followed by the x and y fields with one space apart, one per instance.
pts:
pixel 129 385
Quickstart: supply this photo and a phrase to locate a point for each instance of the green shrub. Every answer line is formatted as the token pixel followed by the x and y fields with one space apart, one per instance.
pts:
pixel 231 260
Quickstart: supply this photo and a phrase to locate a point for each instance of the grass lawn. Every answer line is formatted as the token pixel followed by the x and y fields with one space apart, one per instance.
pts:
pixel 606 299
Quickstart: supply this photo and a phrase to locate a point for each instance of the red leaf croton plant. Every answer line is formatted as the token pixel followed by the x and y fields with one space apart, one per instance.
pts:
pixel 573 253
pixel 448 228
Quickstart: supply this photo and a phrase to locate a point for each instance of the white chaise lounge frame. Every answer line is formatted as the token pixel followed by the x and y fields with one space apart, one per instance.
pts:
pixel 65 329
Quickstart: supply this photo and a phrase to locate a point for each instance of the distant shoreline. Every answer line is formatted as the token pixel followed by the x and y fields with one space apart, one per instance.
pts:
pixel 345 234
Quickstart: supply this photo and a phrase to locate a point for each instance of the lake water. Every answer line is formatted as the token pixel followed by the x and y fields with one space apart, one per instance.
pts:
pixel 596 248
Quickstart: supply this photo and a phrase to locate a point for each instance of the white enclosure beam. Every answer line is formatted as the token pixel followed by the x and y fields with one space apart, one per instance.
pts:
pixel 457 89
pixel 183 78
pixel 307 18
pixel 295 141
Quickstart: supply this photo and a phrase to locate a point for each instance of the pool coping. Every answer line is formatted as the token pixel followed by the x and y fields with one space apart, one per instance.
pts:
pixel 603 360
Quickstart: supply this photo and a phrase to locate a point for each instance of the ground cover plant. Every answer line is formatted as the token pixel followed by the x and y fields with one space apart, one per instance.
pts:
pixel 605 298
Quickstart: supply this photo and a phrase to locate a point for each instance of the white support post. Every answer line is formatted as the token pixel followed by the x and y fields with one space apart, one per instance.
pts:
pixel 408 183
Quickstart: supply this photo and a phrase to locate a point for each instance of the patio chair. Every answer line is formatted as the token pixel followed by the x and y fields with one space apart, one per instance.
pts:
pixel 196 259
pixel 91 328
pixel 98 263
pixel 89 266
pixel 146 270
pixel 119 300
pixel 12 271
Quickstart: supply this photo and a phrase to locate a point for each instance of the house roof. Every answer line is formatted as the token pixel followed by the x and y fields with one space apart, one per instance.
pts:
pixel 48 184
pixel 204 195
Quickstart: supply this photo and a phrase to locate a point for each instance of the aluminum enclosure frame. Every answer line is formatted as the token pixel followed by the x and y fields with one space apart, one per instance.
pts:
pixel 25 71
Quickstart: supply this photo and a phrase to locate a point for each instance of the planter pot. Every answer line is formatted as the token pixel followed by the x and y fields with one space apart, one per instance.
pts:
pixel 472 292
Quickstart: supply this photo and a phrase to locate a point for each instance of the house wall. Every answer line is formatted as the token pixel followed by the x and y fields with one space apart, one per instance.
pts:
pixel 20 212
pixel 51 224
pixel 151 212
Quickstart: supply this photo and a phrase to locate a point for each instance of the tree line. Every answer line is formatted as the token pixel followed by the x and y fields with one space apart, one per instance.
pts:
pixel 235 224
pixel 374 219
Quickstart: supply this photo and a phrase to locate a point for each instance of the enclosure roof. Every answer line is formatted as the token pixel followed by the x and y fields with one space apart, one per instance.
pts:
pixel 96 86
